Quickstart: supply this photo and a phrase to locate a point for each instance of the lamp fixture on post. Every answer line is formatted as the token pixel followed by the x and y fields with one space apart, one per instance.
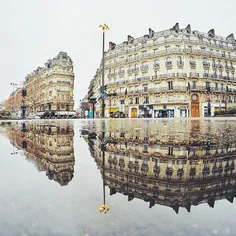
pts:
pixel 12 97
pixel 103 27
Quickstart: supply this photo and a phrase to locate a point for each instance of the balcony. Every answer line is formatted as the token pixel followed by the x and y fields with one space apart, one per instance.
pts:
pixel 145 101
pixel 220 66
pixel 156 66
pixel 205 75
pixel 193 64
pixel 163 76
pixel 197 88
pixel 169 65
pixel 206 65
pixel 144 68
pixel 145 56
pixel 180 64
pixel 181 75
pixel 174 101
pixel 165 89
pixel 172 51
pixel 130 71
pixel 156 77
pixel 227 68
pixel 194 75
pixel 121 73
pixel 145 78
pixel 214 66
pixel 136 71
pixel 154 90
pixel 112 74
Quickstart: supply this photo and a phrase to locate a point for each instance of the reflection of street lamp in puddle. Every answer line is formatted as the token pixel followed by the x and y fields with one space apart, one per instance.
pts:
pixel 103 209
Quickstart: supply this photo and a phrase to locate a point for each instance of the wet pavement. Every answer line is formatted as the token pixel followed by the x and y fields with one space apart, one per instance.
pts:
pixel 118 177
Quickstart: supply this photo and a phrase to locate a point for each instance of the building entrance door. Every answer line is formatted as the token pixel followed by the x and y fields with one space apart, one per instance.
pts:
pixel 195 111
pixel 134 113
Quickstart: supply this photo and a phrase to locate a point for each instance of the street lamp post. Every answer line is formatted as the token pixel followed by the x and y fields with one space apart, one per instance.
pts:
pixel 209 101
pixel 104 208
pixel 13 103
pixel 104 27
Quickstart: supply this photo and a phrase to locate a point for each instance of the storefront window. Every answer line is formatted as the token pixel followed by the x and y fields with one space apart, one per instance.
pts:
pixel 165 113
pixel 183 112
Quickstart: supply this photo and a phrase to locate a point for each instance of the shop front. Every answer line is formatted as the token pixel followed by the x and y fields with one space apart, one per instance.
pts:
pixel 163 112
pixel 184 111
pixel 145 111
pixel 111 111
pixel 170 111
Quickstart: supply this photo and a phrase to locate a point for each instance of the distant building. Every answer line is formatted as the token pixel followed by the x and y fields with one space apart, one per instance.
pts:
pixel 84 107
pixel 14 102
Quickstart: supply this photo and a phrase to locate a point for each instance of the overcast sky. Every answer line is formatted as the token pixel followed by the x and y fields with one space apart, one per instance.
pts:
pixel 32 31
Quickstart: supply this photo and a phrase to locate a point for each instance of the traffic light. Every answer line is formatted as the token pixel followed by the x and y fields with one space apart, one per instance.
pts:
pixel 24 144
pixel 103 147
pixel 24 93
pixel 208 146
pixel 23 128
pixel 208 90
pixel 92 136
pixel 105 90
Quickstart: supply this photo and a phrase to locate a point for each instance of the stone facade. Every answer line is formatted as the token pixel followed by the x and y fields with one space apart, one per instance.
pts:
pixel 14 102
pixel 50 88
pixel 167 73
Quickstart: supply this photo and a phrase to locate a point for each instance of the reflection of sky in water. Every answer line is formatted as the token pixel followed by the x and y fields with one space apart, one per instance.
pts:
pixel 31 204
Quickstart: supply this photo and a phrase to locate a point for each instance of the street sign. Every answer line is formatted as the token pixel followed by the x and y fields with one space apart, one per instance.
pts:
pixel 104 141
pixel 104 96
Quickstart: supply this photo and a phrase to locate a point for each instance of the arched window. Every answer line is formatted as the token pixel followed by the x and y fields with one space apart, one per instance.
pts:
pixel 194 98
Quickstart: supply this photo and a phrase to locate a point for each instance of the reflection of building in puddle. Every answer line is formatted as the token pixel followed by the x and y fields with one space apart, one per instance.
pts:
pixel 49 146
pixel 177 171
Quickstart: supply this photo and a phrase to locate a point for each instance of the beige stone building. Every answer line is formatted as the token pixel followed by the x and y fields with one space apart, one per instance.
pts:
pixel 50 89
pixel 167 73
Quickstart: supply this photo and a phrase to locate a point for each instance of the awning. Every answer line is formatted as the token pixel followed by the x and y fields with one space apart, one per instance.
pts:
pixel 112 109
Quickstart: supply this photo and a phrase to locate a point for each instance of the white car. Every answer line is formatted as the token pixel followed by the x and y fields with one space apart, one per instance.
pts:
pixel 33 117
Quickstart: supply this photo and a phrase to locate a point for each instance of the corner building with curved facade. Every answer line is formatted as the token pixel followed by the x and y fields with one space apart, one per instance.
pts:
pixel 167 73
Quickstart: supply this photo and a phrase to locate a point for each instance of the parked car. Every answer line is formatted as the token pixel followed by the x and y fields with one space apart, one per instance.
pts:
pixel 34 117
pixel 118 115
